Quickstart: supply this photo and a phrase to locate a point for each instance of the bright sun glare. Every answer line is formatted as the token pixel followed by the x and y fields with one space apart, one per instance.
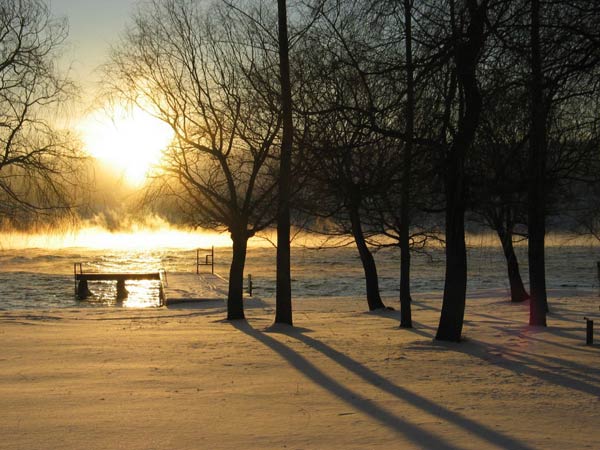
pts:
pixel 129 139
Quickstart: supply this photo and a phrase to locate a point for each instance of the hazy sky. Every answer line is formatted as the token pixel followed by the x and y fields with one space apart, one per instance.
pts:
pixel 93 26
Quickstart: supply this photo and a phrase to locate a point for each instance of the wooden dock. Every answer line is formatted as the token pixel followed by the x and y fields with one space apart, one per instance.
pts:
pixel 192 287
pixel 178 287
pixel 109 276
pixel 81 279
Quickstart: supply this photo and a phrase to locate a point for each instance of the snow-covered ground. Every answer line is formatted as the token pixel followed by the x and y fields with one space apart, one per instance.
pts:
pixel 183 378
pixel 186 287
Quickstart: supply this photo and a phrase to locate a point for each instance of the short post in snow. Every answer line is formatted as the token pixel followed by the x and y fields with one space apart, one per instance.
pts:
pixel 250 285
pixel 589 334
pixel 598 274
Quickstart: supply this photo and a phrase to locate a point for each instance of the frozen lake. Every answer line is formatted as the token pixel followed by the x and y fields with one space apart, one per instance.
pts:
pixel 43 278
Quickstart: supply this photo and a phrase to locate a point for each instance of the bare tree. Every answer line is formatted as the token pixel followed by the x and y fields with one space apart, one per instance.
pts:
pixel 405 298
pixel 38 162
pixel 563 57
pixel 283 312
pixel 498 169
pixel 537 167
pixel 468 23
pixel 347 165
pixel 197 71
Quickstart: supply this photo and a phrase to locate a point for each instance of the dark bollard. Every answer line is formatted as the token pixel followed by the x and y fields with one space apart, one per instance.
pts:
pixel 83 291
pixel 598 273
pixel 589 335
pixel 121 291
pixel 250 285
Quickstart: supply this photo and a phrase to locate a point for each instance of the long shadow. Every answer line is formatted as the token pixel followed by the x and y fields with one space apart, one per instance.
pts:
pixel 575 333
pixel 417 330
pixel 568 333
pixel 586 349
pixel 492 436
pixel 582 371
pixel 513 321
pixel 501 327
pixel 523 364
pixel 424 306
pixel 395 316
pixel 412 432
pixel 558 314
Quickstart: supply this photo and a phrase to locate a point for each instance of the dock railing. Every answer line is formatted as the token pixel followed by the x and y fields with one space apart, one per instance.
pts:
pixel 208 259
pixel 162 273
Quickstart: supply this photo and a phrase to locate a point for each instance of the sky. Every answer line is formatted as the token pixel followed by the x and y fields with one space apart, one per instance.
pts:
pixel 129 142
pixel 93 26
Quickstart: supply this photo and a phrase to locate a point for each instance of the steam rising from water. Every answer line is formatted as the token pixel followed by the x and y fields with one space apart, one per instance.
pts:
pixel 133 237
pixel 111 230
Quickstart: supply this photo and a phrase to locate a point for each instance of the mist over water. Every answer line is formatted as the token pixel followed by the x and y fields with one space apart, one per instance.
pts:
pixel 134 236
pixel 41 276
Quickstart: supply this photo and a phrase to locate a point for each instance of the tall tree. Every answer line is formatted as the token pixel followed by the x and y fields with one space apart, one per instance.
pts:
pixel 347 166
pixel 537 169
pixel 498 169
pixel 346 163
pixel 381 97
pixel 541 63
pixel 467 49
pixel 405 298
pixel 283 313
pixel 198 73
pixel 563 56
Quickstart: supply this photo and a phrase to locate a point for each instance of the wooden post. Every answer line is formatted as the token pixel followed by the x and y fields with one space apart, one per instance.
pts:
pixel 589 332
pixel 121 291
pixel 212 260
pixel 83 291
pixel 250 285
pixel 75 266
pixel 598 274
pixel 161 294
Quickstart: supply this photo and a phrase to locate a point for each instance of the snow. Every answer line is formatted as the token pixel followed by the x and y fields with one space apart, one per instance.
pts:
pixel 181 377
pixel 182 287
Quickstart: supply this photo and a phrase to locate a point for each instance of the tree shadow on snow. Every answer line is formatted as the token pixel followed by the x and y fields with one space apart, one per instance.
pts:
pixel 551 369
pixel 411 431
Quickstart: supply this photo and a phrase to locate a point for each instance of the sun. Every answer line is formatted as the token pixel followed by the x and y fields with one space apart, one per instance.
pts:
pixel 129 139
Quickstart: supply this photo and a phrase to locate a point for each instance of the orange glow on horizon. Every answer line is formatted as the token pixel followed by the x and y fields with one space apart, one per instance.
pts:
pixel 135 239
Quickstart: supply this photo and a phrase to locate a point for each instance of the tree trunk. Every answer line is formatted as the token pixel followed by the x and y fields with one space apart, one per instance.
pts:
pixel 235 296
pixel 405 299
pixel 537 167
pixel 517 289
pixel 368 262
pixel 283 297
pixel 455 286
